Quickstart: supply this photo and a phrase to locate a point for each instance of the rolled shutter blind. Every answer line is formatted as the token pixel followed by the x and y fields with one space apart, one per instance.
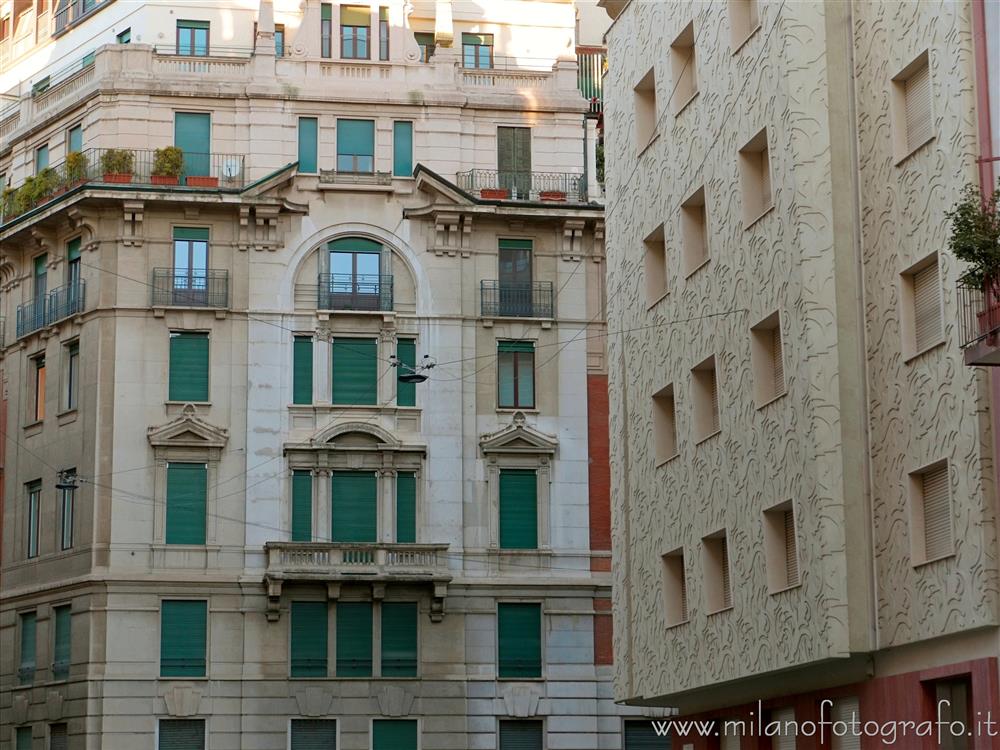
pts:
pixel 406 352
pixel 301 506
pixel 302 370
pixel 783 740
pixel 326 12
pixel 727 589
pixel 191 233
pixel 354 15
pixel 519 640
pixel 73 249
pixel 714 388
pixel 182 734
pixel 186 488
pixel 394 734
pixel 354 639
pixel 926 307
pixel 314 734
pixel 309 639
pixel 57 737
pixel 641 735
pixel 23 741
pixel 777 361
pixel 354 504
pixel 399 639
pixel 406 507
pixel 183 638
pixel 355 371
pixel 937 513
pixel 918 107
pixel 846 710
pixel 188 367
pixel 356 137
pixel 402 149
pixel 29 631
pixel 791 549
pixel 520 735
pixel 765 179
pixel 308 133
pixel 683 591
pixel 62 645
pixel 518 509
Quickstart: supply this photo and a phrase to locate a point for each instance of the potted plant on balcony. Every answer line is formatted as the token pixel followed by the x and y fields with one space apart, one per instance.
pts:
pixel 167 165
pixel 975 239
pixel 7 198
pixel 202 180
pixel 557 196
pixel 45 185
pixel 75 169
pixel 117 165
pixel 494 194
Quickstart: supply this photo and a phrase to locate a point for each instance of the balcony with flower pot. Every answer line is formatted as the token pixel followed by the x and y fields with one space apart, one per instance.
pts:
pixel 541 187
pixel 975 239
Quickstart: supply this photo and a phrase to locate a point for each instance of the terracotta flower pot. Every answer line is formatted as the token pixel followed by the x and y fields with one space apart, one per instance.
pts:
pixel 119 178
pixel 161 179
pixel 552 195
pixel 495 194
pixel 202 181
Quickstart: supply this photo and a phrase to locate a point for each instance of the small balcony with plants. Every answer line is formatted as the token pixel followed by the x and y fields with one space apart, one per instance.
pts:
pixel 48 309
pixel 543 187
pixel 975 239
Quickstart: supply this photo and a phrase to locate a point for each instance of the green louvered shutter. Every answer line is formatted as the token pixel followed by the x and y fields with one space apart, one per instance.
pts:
pixel 57 737
pixel 75 138
pixel 519 639
pixel 309 639
pixel 302 493
pixel 354 500
pixel 355 371
pixel 188 366
pixel 183 638
pixel 23 740
pixel 520 735
pixel 314 734
pixel 406 507
pixel 29 648
pixel 61 642
pixel 302 370
pixel 640 735
pixel 186 488
pixel 193 135
pixel 355 145
pixel 406 352
pixel 73 249
pixel 354 639
pixel 399 639
pixel 394 734
pixel 402 149
pixel 308 136
pixel 518 509
pixel 181 734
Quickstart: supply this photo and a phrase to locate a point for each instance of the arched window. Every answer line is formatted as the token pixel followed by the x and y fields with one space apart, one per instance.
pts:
pixel 355 277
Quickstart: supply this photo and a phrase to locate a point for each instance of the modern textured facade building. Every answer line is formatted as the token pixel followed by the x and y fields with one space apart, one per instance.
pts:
pixel 231 517
pixel 803 467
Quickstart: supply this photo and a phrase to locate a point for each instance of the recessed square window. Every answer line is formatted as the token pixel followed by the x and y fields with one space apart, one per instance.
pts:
pixel 755 178
pixel 781 547
pixel 718 584
pixel 674 588
pixel 694 231
pixel 656 266
pixel 912 118
pixel 921 322
pixel 705 397
pixel 664 424
pixel 744 20
pixel 767 359
pixel 645 109
pixel 683 67
pixel 931 531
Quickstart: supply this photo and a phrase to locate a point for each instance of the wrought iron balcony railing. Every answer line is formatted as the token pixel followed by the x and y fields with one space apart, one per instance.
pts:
pixel 978 313
pixel 58 304
pixel 591 65
pixel 502 299
pixel 362 292
pixel 549 187
pixel 197 288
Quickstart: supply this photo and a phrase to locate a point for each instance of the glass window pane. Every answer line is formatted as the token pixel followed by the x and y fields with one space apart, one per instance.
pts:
pixel 506 376
pixel 525 379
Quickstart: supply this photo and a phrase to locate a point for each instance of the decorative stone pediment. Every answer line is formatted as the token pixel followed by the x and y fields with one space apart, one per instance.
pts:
pixel 518 437
pixel 188 431
pixel 357 435
pixel 395 701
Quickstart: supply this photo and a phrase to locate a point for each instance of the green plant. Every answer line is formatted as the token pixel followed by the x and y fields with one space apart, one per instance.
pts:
pixel 75 168
pixel 24 197
pixel 7 198
pixel 975 236
pixel 46 181
pixel 117 161
pixel 168 162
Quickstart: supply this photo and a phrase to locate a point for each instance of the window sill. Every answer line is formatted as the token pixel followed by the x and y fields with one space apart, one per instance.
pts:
pixel 202 678
pixel 33 428
pixel 785 590
pixel 708 437
pixel 66 417
pixel 663 462
pixel 520 679
pixel 516 409
pixel 684 105
pixel 653 138
pixel 772 399
pixel 697 268
pixel 721 611
pixel 373 678
pixel 915 149
pixel 765 212
pixel 672 625
pixel 927 349
pixel 746 39
pixel 185 403
pixel 521 551
pixel 658 300
pixel 940 558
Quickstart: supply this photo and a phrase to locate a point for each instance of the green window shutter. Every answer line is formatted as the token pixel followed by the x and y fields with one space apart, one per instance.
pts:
pixel 191 233
pixel 399 639
pixel 355 371
pixel 61 642
pixel 356 137
pixel 302 506
pixel 193 135
pixel 402 149
pixel 354 15
pixel 314 734
pixel 309 639
pixel 518 509
pixel 73 249
pixel 519 639
pixel 23 740
pixel 406 507
pixel 326 12
pixel 308 133
pixel 41 158
pixel 302 370
pixel 29 647
pixel 521 735
pixel 181 734
pixel 354 502
pixel 75 138
pixel 509 244
pixel 406 352
pixel 354 245
pixel 394 734
pixel 187 485
pixel 183 638
pixel 354 639
pixel 194 24
pixel 485 39
pixel 188 380
pixel 640 735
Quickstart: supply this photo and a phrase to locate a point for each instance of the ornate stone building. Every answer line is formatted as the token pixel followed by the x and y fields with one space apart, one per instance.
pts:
pixel 803 467
pixel 240 510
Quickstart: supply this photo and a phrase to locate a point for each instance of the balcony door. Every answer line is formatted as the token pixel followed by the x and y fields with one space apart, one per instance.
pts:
pixel 190 278
pixel 355 280
pixel 193 135
pixel 514 161
pixel 515 282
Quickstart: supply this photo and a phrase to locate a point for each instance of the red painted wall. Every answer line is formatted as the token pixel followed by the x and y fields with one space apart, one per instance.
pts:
pixel 603 644
pixel 599 473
